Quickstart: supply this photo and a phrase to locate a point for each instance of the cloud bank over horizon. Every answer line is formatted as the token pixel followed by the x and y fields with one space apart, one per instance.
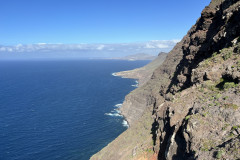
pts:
pixel 101 50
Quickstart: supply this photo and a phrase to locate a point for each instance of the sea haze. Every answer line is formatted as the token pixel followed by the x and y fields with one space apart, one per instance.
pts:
pixel 61 109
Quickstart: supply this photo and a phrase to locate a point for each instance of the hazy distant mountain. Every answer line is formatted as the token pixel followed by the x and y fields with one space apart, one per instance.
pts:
pixel 144 73
pixel 139 56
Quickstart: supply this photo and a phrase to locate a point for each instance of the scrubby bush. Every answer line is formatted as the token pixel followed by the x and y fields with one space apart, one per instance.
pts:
pixel 187 117
pixel 237 48
pixel 218 96
pixel 226 97
pixel 227 55
pixel 219 154
pixel 214 54
pixel 231 106
pixel 234 127
pixel 228 85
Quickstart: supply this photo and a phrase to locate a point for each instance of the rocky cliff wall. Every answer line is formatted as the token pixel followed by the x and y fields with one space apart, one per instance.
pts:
pixel 193 97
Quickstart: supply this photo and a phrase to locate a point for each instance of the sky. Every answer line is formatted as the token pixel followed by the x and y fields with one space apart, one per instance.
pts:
pixel 25 23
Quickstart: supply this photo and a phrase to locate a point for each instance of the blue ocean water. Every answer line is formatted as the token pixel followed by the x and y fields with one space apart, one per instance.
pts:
pixel 60 109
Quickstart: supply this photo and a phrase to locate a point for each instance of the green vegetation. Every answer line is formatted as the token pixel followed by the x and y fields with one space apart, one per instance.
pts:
pixel 208 145
pixel 212 88
pixel 149 150
pixel 210 85
pixel 227 53
pixel 228 85
pixel 212 98
pixel 226 97
pixel 201 89
pixel 225 126
pixel 231 135
pixel 219 154
pixel 231 106
pixel 235 127
pixel 206 63
pixel 210 104
pixel 187 117
pixel 227 56
pixel 237 48
pixel 205 114
pixel 218 96
pixel 238 63
pixel 214 54
pixel 204 149
pixel 217 103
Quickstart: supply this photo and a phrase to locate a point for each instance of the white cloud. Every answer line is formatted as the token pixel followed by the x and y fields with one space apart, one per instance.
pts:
pixel 162 46
pixel 159 44
pixel 3 49
pixel 19 45
pixel 41 43
pixel 149 46
pixel 100 47
pixel 176 40
pixel 9 49
pixel 88 50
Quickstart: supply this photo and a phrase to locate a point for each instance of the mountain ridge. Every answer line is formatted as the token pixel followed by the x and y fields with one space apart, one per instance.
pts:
pixel 198 83
pixel 136 57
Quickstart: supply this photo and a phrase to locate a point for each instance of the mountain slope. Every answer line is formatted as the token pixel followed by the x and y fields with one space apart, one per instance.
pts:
pixel 144 73
pixel 190 106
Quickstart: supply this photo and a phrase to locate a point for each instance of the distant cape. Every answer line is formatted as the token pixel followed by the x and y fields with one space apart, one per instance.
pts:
pixel 134 57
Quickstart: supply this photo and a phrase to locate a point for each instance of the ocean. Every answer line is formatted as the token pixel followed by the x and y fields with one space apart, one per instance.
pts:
pixel 61 110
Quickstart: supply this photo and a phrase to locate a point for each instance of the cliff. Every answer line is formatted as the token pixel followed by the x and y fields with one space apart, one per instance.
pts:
pixel 144 73
pixel 189 109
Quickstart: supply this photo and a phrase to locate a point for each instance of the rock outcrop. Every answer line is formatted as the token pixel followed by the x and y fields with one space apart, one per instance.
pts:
pixel 190 108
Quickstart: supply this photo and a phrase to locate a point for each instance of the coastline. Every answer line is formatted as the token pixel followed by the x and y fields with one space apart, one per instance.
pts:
pixel 118 110
pixel 198 83
pixel 143 74
pixel 136 110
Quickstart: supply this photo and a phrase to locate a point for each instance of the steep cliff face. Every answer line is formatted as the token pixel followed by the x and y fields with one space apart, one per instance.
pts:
pixel 209 53
pixel 135 103
pixel 190 107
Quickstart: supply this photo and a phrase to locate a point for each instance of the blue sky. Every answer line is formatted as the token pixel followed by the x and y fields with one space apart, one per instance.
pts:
pixel 95 21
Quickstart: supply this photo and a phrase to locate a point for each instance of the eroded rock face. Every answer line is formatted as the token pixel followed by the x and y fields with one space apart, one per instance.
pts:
pixel 205 87
pixel 194 94
pixel 215 30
